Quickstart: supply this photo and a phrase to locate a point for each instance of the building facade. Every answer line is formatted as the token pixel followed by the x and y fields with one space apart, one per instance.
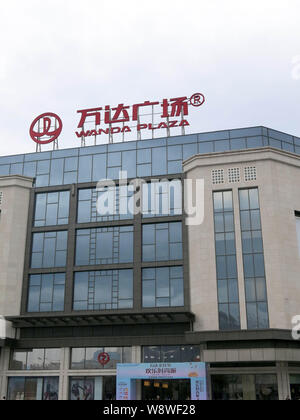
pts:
pixel 190 253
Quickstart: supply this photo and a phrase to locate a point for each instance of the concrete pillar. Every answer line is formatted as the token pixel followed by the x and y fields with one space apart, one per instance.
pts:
pixel 63 374
pixel 4 365
pixel 137 358
pixel 136 354
pixel 284 390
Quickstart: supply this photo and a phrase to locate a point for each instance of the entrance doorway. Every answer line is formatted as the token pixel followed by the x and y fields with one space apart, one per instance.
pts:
pixel 166 390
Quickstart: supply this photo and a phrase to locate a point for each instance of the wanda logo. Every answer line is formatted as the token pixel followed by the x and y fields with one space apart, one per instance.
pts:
pixel 46 128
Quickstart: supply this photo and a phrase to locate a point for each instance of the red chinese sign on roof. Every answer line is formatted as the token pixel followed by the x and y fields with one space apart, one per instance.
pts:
pixel 104 120
pixel 145 116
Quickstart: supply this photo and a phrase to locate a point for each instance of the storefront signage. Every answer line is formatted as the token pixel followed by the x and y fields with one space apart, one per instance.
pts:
pixel 174 111
pixel 127 374
pixel 120 119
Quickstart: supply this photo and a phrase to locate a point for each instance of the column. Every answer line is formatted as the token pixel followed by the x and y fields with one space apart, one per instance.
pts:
pixel 63 374
pixel 4 365
pixel 284 390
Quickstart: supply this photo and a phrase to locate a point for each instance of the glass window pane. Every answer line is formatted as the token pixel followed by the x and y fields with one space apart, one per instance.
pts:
pixel 50 389
pixel 34 299
pixel 257 241
pixel 231 267
pixel 58 298
pixel 177 292
pixel 35 359
pixel 253 198
pixel 52 359
pixel 221 268
pixel 247 242
pixel 244 200
pixel 85 169
pixel 263 318
pixel 248 266
pixel 222 291
pixel 220 244
pixel 230 243
pixel 233 291
pixel 252 316
pixel 245 220
pixel 149 294
pixel 175 232
pixel 259 265
pixel 126 284
pixel 250 290
pixel 148 234
pixel 82 250
pixel 64 202
pixel 219 223
pixel 84 212
pixel 224 317
pixel 261 292
pixel 126 247
pixel 81 287
pixel 227 197
pixel 16 387
pixel 56 174
pixel 152 354
pixel 18 360
pixel 229 222
pixel 255 220
pixel 162 286
pixel 234 316
pixel 78 358
pixel 218 202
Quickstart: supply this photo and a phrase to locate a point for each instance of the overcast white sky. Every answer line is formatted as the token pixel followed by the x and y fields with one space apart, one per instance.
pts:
pixel 64 55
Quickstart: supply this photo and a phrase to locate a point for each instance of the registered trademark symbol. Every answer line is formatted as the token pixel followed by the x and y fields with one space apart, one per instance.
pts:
pixel 197 99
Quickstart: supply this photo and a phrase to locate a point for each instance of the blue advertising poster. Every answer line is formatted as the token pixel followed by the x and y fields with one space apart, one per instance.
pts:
pixel 127 374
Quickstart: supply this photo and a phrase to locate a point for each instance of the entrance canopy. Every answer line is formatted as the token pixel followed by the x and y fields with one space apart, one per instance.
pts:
pixel 127 374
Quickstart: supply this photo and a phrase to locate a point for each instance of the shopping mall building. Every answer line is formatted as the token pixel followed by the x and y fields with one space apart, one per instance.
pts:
pixel 148 282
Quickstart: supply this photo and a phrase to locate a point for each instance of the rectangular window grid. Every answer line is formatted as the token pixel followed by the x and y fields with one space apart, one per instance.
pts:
pixel 162 242
pixel 162 198
pixel 253 257
pixel 103 290
pixel 35 359
pixel 32 388
pixel 111 245
pixel 87 357
pixel 171 354
pixel 163 287
pixel 46 292
pixel 52 209
pixel 138 158
pixel 49 249
pixel 227 278
pixel 118 200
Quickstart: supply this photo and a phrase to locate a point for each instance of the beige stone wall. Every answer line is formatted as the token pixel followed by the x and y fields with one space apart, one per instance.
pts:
pixel 278 175
pixel 13 229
